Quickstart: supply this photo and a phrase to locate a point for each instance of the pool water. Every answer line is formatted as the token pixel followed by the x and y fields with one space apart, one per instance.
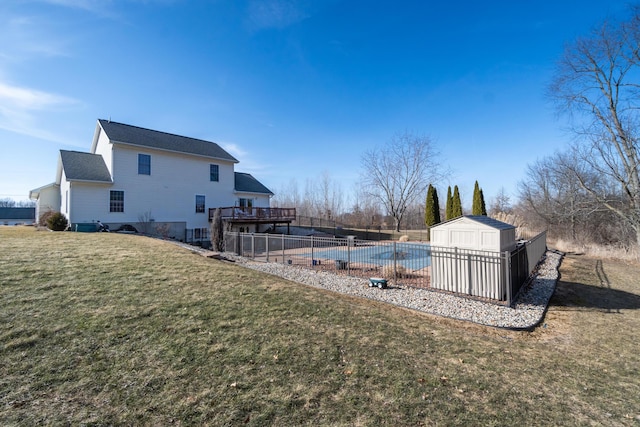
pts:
pixel 413 256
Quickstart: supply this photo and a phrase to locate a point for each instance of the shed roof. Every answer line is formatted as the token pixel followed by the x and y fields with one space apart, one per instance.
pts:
pixel 247 183
pixel 482 219
pixel 79 166
pixel 127 134
pixel 18 213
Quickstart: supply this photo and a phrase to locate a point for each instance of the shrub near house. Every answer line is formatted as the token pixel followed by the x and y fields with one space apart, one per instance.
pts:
pixel 57 222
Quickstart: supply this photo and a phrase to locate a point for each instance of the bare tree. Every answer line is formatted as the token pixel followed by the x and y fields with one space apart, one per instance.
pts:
pixel 332 199
pixel 597 83
pixel 322 198
pixel 398 173
pixel 365 211
pixel 288 195
pixel 500 203
pixel 553 197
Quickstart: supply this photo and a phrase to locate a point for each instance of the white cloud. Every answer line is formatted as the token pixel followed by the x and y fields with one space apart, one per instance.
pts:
pixel 266 14
pixel 29 99
pixel 95 6
pixel 247 163
pixel 233 149
pixel 24 37
pixel 20 108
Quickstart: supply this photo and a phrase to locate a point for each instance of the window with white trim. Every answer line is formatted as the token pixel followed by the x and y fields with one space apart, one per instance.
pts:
pixel 144 164
pixel 214 173
pixel 116 201
pixel 199 204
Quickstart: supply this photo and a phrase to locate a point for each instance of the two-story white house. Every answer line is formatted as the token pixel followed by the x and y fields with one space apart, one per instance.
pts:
pixel 157 182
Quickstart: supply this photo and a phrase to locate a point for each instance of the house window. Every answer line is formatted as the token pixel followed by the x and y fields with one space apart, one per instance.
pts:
pixel 214 173
pixel 199 204
pixel 246 203
pixel 144 164
pixel 116 201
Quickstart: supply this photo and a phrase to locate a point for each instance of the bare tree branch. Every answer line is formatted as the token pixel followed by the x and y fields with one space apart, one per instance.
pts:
pixel 397 174
pixel 596 84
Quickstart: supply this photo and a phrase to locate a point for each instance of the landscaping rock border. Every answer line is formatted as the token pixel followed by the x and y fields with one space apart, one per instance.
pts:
pixel 525 314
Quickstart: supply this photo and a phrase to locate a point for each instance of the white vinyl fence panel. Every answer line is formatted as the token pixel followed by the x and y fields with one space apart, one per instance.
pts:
pixel 476 273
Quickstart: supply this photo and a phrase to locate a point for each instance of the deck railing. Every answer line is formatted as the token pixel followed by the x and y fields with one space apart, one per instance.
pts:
pixel 238 213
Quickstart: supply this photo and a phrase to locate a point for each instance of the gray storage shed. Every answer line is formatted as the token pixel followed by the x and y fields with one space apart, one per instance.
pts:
pixel 476 232
pixel 469 255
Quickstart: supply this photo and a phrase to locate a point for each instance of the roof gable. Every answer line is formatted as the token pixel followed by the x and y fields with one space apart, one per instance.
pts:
pixel 482 219
pixel 246 183
pixel 79 166
pixel 35 193
pixel 133 135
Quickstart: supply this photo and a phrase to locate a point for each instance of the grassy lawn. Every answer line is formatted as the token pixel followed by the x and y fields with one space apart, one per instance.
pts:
pixel 118 329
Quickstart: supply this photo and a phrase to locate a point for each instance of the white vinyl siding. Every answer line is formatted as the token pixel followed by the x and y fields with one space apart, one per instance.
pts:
pixel 258 200
pixel 104 148
pixel 65 205
pixel 89 202
pixel 169 193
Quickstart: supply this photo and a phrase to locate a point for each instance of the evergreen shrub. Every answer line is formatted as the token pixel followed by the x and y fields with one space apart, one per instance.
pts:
pixel 57 222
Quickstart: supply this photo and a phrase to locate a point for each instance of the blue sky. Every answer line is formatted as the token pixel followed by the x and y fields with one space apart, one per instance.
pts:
pixel 292 88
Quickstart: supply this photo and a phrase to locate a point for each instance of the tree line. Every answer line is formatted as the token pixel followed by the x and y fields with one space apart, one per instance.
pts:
pixel 10 203
pixel 453 205
pixel 587 192
pixel 590 191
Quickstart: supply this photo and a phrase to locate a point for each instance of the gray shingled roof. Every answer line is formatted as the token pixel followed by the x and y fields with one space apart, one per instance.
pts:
pixel 127 134
pixel 494 223
pixel 79 166
pixel 18 213
pixel 247 183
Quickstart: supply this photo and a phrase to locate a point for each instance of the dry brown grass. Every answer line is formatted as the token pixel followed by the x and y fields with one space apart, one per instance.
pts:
pixel 595 250
pixel 107 329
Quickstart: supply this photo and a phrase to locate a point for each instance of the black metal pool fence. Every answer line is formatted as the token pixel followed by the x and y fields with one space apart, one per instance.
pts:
pixel 492 275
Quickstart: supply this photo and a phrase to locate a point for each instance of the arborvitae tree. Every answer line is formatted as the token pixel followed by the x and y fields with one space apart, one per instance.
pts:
pixel 476 208
pixel 436 204
pixel 457 204
pixel 483 206
pixel 428 206
pixel 432 211
pixel 448 213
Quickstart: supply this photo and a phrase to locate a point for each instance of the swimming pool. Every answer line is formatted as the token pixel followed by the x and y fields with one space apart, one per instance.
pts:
pixel 413 256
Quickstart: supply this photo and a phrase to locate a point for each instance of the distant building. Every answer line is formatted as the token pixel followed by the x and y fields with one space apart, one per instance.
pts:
pixel 17 216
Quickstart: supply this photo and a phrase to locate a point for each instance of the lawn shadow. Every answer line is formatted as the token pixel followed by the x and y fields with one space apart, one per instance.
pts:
pixel 579 295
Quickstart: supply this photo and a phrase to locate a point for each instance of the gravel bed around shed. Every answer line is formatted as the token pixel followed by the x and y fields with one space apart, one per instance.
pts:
pixel 526 313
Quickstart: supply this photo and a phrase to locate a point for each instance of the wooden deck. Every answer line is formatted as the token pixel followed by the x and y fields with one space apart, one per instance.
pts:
pixel 255 214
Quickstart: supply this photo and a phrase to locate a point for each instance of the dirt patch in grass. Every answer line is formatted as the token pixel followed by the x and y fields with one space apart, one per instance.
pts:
pixel 119 329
